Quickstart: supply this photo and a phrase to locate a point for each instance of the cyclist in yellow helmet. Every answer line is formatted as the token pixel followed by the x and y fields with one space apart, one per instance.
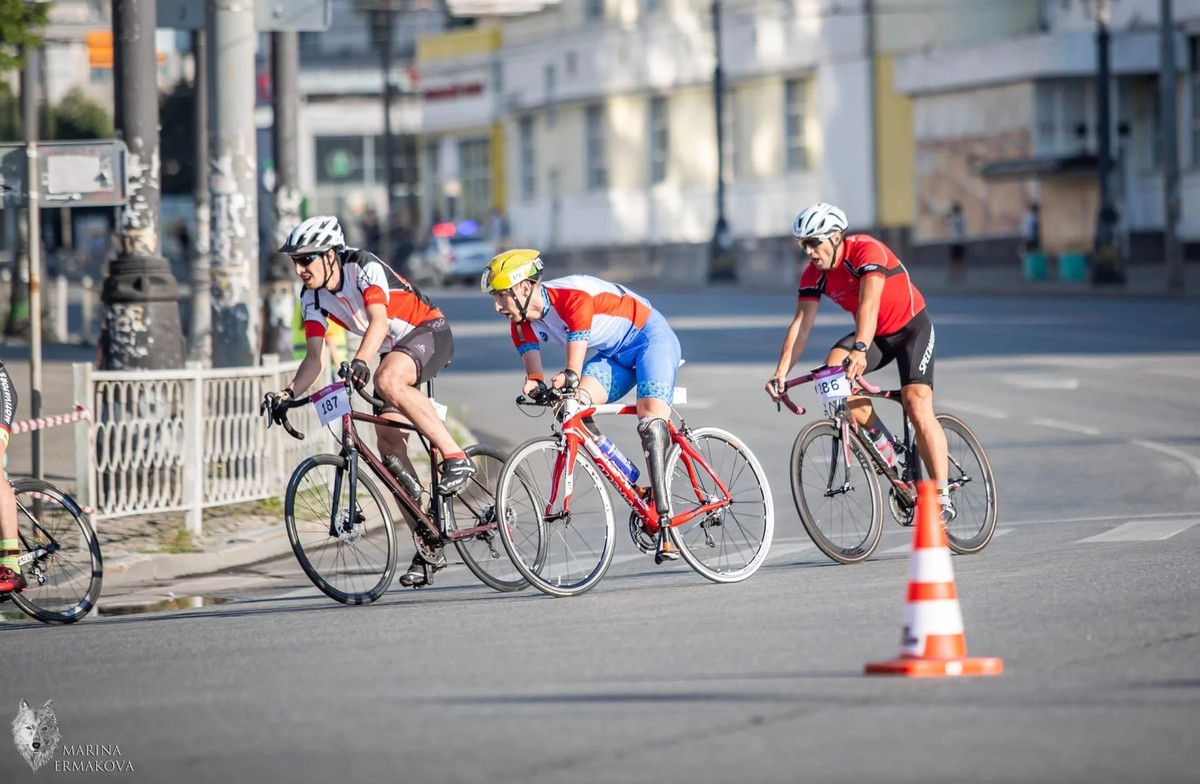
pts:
pixel 634 346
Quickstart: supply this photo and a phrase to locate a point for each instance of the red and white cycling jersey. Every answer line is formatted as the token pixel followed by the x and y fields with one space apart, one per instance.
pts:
pixel 864 255
pixel 366 281
pixel 581 307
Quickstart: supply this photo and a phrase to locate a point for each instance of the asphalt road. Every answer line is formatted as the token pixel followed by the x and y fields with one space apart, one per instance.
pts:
pixel 1089 417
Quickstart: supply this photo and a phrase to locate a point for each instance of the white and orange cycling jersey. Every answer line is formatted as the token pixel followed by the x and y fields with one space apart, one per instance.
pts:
pixel 581 307
pixel 366 281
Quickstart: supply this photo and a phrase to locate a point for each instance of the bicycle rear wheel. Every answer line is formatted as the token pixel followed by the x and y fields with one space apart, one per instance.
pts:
pixel 475 506
pixel 560 552
pixel 350 557
pixel 836 493
pixel 972 488
pixel 729 544
pixel 60 556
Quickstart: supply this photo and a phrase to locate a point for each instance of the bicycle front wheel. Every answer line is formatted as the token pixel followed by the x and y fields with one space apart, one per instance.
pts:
pixel 972 488
pixel 729 544
pixel 836 493
pixel 60 556
pixel 564 548
pixel 475 507
pixel 346 546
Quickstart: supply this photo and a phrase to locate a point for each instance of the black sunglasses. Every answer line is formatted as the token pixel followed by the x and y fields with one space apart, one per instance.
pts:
pixel 811 242
pixel 307 258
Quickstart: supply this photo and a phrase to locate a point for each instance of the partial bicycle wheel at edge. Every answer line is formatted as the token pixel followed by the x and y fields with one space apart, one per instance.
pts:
pixel 63 585
pixel 351 560
pixel 819 466
pixel 973 488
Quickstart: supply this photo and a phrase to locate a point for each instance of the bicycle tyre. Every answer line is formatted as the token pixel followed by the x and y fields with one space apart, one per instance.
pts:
pixel 475 565
pixel 677 536
pixel 505 495
pixel 827 428
pixel 289 511
pixel 85 604
pixel 974 544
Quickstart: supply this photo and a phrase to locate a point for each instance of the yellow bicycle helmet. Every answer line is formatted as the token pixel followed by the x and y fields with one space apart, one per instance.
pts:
pixel 510 268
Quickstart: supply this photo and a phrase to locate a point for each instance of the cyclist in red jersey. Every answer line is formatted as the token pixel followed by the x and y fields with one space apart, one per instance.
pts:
pixel 865 278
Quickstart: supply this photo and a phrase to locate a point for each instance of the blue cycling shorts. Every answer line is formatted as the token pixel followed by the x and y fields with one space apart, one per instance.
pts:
pixel 650 359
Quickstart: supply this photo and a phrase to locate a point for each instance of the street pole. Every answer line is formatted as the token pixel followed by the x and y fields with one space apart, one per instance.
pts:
pixel 140 329
pixel 233 172
pixel 721 263
pixel 1107 263
pixel 29 130
pixel 384 26
pixel 1170 149
pixel 280 300
pixel 200 329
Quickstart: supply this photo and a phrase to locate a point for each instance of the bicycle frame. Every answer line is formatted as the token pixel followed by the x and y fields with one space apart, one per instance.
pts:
pixel 434 530
pixel 570 425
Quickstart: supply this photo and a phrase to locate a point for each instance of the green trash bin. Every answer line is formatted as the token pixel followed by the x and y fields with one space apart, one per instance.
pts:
pixel 1036 266
pixel 1073 266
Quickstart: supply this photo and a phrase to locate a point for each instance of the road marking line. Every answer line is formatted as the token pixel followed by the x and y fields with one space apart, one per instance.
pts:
pixel 1192 462
pixel 1040 382
pixel 1102 518
pixel 1142 531
pixel 1071 427
pixel 907 547
pixel 972 408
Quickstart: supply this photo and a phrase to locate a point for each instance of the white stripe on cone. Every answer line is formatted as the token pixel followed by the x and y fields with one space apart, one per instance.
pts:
pixel 921 619
pixel 930 566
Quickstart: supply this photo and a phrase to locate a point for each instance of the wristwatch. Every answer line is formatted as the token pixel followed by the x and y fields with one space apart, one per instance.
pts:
pixel 860 346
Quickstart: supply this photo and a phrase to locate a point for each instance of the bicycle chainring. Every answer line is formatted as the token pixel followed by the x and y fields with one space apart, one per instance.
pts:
pixel 901 511
pixel 641 540
pixel 427 550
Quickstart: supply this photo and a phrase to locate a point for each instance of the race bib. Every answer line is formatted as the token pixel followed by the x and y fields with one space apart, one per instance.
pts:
pixel 332 402
pixel 439 409
pixel 832 388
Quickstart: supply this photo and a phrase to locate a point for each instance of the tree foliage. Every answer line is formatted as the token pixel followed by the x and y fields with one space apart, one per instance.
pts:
pixel 21 24
pixel 79 117
pixel 177 139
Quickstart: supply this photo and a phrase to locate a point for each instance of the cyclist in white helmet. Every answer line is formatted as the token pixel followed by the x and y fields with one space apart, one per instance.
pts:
pixel 865 278
pixel 355 290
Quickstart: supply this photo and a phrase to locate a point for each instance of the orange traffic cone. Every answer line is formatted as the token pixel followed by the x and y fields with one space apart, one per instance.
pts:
pixel 933 642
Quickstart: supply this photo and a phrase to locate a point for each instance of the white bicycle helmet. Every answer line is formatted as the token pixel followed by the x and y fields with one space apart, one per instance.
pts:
pixel 818 220
pixel 315 235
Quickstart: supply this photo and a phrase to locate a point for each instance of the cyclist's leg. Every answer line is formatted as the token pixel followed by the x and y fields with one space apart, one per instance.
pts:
pixel 860 407
pixel 415 360
pixel 657 363
pixel 11 578
pixel 915 362
pixel 393 441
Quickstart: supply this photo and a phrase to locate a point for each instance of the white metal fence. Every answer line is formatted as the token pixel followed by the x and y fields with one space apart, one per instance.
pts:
pixel 184 440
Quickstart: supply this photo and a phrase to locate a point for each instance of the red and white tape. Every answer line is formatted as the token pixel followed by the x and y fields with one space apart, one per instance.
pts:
pixel 45 422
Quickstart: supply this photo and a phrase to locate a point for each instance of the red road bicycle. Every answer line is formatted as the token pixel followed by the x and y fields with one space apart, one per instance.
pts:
pixel 556 517
pixel 834 467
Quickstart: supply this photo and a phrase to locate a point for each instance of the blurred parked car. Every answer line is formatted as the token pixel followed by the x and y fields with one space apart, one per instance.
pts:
pixel 450 258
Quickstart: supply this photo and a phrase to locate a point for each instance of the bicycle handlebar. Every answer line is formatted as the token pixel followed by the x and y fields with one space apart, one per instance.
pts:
pixel 282 407
pixel 860 382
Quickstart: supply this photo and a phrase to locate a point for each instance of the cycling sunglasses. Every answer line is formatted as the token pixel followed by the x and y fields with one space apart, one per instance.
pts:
pixel 307 258
pixel 811 242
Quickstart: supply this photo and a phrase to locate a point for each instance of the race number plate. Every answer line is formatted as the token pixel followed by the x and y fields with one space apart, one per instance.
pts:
pixel 832 387
pixel 439 409
pixel 332 402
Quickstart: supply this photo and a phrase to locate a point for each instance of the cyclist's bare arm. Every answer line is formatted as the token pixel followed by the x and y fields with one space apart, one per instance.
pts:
pixel 869 296
pixel 377 329
pixel 795 340
pixel 311 368
pixel 532 359
pixel 576 353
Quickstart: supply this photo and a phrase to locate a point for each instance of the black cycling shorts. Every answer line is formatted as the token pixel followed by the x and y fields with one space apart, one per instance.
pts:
pixel 911 346
pixel 8 404
pixel 431 347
